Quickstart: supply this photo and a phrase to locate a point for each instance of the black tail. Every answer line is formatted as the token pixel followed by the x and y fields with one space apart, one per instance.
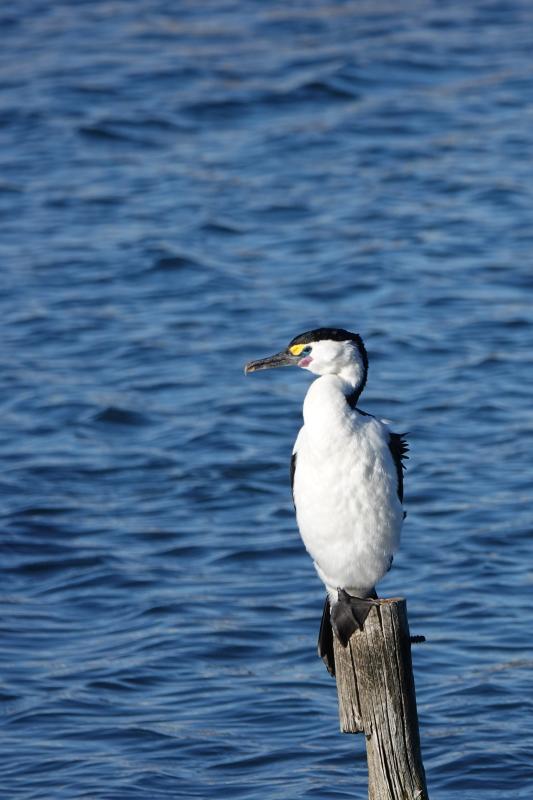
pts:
pixel 325 640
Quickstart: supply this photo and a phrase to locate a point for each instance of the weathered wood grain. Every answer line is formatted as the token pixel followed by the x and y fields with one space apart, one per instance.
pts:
pixel 376 693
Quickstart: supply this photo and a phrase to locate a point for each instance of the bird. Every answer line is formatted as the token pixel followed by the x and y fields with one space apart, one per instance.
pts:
pixel 346 474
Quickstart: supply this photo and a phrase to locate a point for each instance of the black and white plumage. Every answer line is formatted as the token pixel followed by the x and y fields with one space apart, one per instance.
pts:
pixel 346 476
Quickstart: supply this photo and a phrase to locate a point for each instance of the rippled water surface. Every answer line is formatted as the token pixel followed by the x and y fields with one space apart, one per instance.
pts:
pixel 185 186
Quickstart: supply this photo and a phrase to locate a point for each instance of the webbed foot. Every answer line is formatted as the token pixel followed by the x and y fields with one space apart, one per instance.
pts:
pixel 348 614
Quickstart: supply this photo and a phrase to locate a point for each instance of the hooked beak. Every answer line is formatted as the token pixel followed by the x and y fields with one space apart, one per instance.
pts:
pixel 278 360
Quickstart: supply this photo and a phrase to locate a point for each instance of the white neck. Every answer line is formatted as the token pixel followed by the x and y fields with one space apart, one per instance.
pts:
pixel 325 406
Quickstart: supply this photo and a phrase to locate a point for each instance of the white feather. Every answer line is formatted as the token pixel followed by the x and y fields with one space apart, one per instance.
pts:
pixel 345 488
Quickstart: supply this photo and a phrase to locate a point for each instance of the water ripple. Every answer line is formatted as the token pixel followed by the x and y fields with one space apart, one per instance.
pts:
pixel 185 190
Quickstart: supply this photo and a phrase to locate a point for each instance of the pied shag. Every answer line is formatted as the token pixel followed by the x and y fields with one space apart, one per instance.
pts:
pixel 347 479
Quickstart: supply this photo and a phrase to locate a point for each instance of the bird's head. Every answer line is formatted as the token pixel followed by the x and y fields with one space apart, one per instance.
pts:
pixel 323 351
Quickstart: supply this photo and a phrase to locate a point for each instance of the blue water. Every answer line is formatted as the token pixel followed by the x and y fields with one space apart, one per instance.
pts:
pixel 184 187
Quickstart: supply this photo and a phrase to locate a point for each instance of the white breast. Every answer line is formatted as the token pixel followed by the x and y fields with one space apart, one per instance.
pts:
pixel 345 491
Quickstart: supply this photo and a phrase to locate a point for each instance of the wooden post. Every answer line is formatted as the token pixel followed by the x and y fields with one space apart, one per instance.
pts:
pixel 376 693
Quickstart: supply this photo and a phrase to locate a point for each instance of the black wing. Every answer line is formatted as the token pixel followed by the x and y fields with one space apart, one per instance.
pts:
pixel 399 447
pixel 292 471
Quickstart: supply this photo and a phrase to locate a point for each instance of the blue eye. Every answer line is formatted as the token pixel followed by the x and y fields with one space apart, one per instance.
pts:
pixel 306 351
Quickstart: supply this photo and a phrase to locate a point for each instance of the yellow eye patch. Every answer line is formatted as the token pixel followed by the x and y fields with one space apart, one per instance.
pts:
pixel 296 349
